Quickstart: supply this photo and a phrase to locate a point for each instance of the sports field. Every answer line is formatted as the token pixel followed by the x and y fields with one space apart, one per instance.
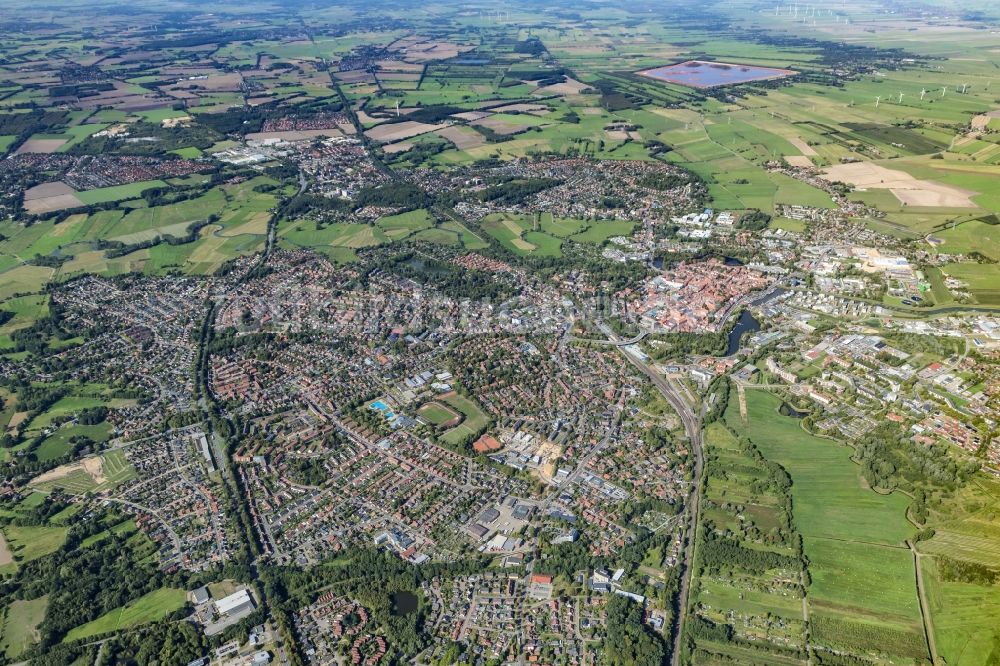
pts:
pixel 437 414
pixel 474 420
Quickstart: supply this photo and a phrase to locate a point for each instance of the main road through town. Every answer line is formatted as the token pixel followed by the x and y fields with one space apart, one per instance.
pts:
pixel 692 426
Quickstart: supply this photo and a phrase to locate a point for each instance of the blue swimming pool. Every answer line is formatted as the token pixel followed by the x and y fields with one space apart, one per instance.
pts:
pixel 379 405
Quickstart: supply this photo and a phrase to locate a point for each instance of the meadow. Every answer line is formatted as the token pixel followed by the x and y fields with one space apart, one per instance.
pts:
pixel 26 543
pixel 147 608
pixel 863 593
pixel 18 625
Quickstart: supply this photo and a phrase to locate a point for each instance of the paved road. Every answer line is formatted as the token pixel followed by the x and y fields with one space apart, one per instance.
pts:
pixel 692 426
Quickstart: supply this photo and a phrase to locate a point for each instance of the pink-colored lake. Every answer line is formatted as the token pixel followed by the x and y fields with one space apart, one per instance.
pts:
pixel 703 74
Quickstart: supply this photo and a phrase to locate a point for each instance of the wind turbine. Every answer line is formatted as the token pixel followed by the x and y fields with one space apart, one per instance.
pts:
pixel 397 108
pixel 964 86
pixel 876 101
pixel 922 93
pixel 900 98
pixel 944 90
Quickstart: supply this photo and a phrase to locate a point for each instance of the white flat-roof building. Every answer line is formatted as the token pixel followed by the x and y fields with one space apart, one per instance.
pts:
pixel 236 602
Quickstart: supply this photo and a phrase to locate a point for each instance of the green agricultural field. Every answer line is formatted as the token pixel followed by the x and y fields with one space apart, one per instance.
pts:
pixel 19 625
pixel 73 404
pixel 147 608
pixel 844 572
pixel 599 231
pixel 966 618
pixel 57 444
pixel 831 499
pixel 983 280
pixel 118 192
pixel 397 227
pixel 972 236
pixel 863 593
pixel 560 227
pixel 353 236
pixel 26 543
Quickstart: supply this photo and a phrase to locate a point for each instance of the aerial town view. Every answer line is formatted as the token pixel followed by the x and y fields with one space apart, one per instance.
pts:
pixel 581 333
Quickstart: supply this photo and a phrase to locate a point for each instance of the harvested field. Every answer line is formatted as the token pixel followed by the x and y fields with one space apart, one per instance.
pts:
pixel 567 87
pixel 6 557
pixel 369 120
pixel 257 225
pixel 462 137
pixel 354 76
pixel 48 197
pixel 399 66
pixel 49 204
pixel 398 76
pixel 294 135
pixel 424 51
pixel 400 147
pixel 46 190
pixel 471 115
pixel 799 161
pixel 41 146
pixel 983 119
pixel 501 127
pixel 909 190
pixel 801 145
pixel 398 131
pixel 534 109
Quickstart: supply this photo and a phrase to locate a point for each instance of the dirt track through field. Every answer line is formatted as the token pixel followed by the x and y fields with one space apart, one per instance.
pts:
pixel 6 557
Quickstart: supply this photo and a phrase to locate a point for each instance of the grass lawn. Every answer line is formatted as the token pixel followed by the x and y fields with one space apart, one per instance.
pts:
pixel 188 153
pixel 788 224
pixel 147 608
pixel 18 631
pixel 474 418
